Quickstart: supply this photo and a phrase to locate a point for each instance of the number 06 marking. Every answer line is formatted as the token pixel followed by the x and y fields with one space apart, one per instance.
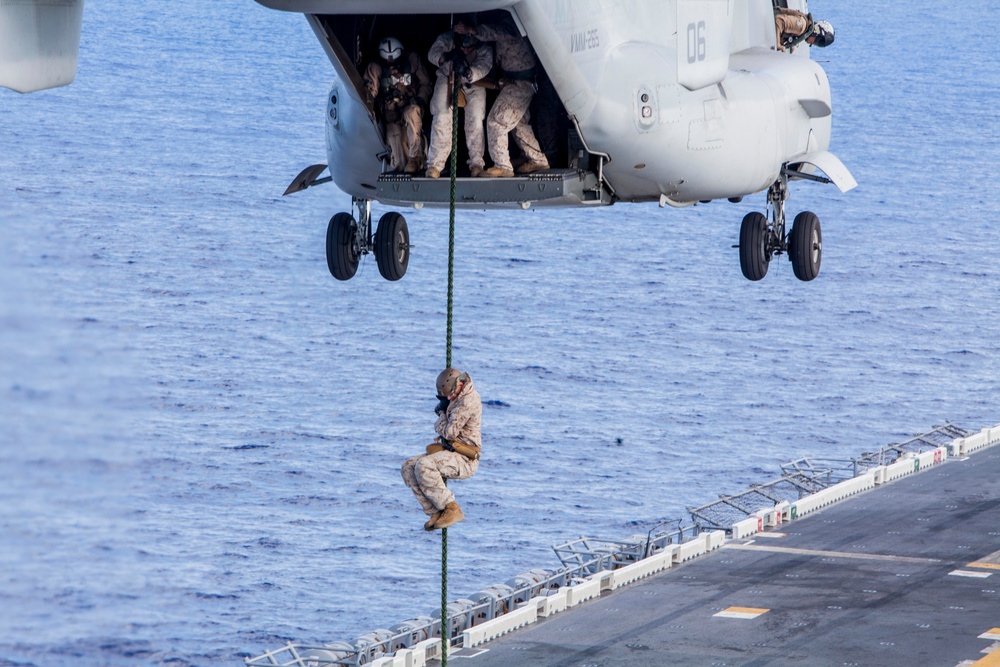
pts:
pixel 696 41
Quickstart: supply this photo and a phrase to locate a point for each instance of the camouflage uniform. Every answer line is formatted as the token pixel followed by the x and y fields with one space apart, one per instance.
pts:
pixel 510 110
pixel 426 474
pixel 403 116
pixel 480 63
pixel 790 24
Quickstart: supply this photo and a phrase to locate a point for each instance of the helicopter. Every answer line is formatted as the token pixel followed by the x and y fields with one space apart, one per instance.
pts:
pixel 673 102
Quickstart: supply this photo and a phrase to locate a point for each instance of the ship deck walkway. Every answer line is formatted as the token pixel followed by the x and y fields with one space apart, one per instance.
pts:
pixel 906 574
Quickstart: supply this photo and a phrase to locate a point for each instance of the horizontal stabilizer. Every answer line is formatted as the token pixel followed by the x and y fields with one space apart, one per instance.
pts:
pixel 39 43
pixel 830 165
pixel 306 178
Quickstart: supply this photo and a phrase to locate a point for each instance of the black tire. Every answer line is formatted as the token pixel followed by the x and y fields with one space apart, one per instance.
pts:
pixel 753 253
pixel 341 255
pixel 805 246
pixel 392 246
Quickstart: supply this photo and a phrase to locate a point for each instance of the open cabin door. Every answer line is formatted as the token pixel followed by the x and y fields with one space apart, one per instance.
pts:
pixel 351 42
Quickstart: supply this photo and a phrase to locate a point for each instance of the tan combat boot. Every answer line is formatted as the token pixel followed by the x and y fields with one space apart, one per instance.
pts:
pixel 498 172
pixel 431 521
pixel 532 167
pixel 451 515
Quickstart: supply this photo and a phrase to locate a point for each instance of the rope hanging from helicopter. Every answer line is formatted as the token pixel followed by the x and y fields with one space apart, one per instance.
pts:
pixel 453 162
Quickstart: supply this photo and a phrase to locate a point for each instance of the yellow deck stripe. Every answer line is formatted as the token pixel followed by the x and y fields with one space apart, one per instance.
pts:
pixel 991 561
pixel 752 610
pixel 992 660
pixel 992 633
pixel 745 613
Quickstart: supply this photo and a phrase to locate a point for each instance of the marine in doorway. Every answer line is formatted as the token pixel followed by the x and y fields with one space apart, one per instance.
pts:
pixel 401 88
pixel 792 27
pixel 466 57
pixel 510 114
pixel 453 455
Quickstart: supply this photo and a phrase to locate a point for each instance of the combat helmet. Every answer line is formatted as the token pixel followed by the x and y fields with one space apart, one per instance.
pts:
pixel 390 49
pixel 448 380
pixel 823 33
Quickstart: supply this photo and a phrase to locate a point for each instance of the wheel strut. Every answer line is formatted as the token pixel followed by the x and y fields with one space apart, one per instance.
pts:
pixel 776 241
pixel 363 243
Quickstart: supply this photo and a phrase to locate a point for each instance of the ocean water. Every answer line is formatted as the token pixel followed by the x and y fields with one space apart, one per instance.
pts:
pixel 200 430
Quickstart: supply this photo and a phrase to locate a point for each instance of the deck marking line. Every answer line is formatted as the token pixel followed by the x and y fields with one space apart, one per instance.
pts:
pixel 835 554
pixel 966 573
pixel 741 612
pixel 772 534
pixel 987 566
pixel 993 633
pixel 478 651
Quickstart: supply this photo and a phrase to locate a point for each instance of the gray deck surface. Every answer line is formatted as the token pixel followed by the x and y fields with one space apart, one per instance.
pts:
pixel 863 582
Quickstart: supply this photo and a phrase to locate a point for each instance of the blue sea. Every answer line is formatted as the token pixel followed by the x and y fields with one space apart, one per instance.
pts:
pixel 201 430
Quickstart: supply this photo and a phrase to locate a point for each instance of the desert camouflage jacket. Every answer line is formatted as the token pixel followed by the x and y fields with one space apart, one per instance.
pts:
pixel 463 418
pixel 479 66
pixel 513 53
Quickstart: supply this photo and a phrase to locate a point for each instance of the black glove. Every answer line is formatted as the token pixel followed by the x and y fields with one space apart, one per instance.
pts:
pixel 459 64
pixel 442 405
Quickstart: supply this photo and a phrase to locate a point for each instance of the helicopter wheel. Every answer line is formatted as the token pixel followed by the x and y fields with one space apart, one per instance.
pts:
pixel 392 246
pixel 805 246
pixel 341 249
pixel 754 258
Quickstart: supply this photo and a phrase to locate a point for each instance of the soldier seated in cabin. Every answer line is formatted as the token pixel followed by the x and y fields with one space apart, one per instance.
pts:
pixel 401 88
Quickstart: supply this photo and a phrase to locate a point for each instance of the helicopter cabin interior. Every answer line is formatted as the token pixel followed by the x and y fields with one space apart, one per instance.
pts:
pixel 354 40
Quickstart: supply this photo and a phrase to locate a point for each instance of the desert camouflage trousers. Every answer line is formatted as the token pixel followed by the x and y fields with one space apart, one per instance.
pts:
pixel 425 475
pixel 475 113
pixel 405 137
pixel 510 114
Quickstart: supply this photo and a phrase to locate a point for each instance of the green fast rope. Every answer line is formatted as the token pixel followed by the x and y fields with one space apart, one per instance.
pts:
pixel 451 213
pixel 445 627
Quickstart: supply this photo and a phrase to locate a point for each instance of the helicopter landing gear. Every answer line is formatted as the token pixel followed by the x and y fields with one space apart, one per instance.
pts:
pixel 347 239
pixel 761 238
